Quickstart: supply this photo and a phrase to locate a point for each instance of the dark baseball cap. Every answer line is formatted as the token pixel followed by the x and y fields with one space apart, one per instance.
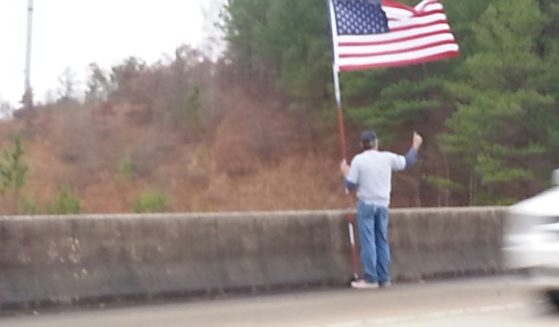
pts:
pixel 368 136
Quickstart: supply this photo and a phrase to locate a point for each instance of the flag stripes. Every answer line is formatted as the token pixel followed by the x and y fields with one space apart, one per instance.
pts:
pixel 416 35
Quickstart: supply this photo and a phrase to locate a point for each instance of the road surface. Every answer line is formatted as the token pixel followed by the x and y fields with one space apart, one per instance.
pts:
pixel 496 302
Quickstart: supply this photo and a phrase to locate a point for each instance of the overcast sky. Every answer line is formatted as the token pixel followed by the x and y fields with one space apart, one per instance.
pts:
pixel 75 33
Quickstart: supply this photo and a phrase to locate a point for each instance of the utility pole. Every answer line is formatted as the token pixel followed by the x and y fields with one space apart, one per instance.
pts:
pixel 28 93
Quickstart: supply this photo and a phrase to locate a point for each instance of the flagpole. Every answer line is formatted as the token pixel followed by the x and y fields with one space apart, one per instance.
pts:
pixel 341 126
pixel 335 71
pixel 341 130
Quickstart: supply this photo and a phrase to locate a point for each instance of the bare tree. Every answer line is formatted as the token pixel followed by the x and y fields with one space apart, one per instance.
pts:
pixel 98 84
pixel 67 85
pixel 213 44
pixel 5 110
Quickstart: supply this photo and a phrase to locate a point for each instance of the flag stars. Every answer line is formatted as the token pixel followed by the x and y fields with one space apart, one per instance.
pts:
pixel 360 17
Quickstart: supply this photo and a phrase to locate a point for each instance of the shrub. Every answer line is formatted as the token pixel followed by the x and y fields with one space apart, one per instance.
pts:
pixel 13 169
pixel 66 203
pixel 126 166
pixel 27 206
pixel 150 202
pixel 13 175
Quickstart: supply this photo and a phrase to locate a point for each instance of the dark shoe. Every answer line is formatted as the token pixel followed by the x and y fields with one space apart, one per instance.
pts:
pixel 385 284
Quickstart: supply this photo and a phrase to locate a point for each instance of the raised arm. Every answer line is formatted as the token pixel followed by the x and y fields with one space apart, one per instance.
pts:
pixel 411 156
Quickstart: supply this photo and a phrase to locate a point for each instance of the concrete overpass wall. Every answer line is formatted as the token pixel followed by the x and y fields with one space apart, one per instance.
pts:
pixel 64 259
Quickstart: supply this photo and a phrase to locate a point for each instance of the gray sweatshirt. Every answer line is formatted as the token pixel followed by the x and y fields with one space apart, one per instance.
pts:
pixel 371 174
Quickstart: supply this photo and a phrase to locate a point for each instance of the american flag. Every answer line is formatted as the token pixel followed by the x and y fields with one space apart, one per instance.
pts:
pixel 368 35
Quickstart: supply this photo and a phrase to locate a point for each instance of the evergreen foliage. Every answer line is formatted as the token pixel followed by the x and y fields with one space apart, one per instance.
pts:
pixel 13 169
pixel 492 112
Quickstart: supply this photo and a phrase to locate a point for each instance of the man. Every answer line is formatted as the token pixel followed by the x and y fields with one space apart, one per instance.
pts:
pixel 370 174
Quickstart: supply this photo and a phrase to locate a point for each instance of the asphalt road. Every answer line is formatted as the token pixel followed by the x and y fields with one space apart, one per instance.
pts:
pixel 496 302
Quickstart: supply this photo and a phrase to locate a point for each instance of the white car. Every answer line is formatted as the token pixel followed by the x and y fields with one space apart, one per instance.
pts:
pixel 531 240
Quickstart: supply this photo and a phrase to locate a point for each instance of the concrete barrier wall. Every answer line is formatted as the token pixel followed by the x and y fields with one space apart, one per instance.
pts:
pixel 430 243
pixel 71 258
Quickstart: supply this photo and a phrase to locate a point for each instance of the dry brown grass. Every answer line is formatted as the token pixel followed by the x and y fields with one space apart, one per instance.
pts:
pixel 297 182
pixel 257 158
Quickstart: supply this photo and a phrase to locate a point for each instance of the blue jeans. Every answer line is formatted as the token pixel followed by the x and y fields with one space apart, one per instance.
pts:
pixel 373 235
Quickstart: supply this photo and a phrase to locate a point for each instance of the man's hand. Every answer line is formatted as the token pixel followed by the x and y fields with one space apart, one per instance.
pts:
pixel 417 141
pixel 344 168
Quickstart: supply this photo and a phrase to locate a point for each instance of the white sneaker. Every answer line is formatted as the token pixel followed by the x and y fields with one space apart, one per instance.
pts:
pixel 363 284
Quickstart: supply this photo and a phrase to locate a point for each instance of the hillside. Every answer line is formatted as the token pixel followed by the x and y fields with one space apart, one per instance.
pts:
pixel 258 158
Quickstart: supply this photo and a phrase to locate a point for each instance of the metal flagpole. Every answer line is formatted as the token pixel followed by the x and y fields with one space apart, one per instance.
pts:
pixel 341 130
pixel 28 93
pixel 335 71
pixel 341 127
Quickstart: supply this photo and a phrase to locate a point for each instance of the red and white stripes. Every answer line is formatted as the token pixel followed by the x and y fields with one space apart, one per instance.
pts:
pixel 417 34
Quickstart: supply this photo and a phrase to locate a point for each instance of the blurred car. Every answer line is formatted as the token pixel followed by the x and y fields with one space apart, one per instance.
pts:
pixel 531 240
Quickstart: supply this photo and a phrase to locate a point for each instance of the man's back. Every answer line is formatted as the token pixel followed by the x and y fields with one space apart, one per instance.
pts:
pixel 372 171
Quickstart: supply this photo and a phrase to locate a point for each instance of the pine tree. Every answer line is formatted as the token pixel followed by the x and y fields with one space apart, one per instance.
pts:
pixel 495 131
pixel 13 173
